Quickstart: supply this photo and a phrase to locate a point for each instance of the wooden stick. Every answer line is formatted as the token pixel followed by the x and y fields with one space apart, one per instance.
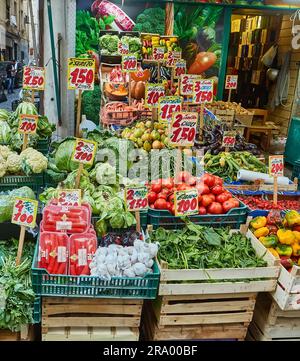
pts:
pixel 154 115
pixel 77 182
pixel 32 96
pixel 275 193
pixel 158 72
pixel 25 141
pixel 201 120
pixel 229 96
pixel 78 121
pixel 20 245
pixel 129 89
pixel 138 221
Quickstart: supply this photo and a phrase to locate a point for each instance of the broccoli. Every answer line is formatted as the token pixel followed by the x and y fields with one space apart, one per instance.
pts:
pixel 151 20
pixel 91 104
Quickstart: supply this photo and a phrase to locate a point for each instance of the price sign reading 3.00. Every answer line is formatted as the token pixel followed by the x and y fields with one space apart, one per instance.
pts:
pixel 228 139
pixel 203 91
pixel 84 151
pixel 167 106
pixel 276 165
pixel 136 198
pixel 24 212
pixel 81 74
pixel 28 124
pixel 152 94
pixel 69 197
pixel 33 78
pixel 186 202
pixel 129 63
pixel 158 53
pixel 183 129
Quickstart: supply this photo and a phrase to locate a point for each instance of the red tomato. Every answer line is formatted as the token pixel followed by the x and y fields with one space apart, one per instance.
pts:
pixel 206 200
pixel 173 209
pixel 212 196
pixel 199 198
pixel 217 190
pixel 202 188
pixel 229 204
pixel 152 196
pixel 160 203
pixel 162 195
pixel 202 210
pixel 218 181
pixel 209 179
pixel 168 183
pixel 183 177
pixel 182 187
pixel 192 181
pixel 235 202
pixel 169 206
pixel 215 208
pixel 223 197
pixel 171 198
pixel 152 206
pixel 156 187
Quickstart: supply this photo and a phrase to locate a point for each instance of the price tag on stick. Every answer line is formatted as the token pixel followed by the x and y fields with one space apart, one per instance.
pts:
pixel 186 202
pixel 231 83
pixel 24 215
pixel 129 63
pixel 27 125
pixel 276 169
pixel 136 199
pixel 69 197
pixel 186 84
pixel 33 79
pixel 152 94
pixel 179 68
pixel 123 48
pixel 228 140
pixel 158 53
pixel 183 129
pixel 167 106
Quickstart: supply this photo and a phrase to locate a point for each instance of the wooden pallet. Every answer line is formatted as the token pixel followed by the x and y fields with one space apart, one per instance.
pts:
pixel 25 334
pixel 90 318
pixel 270 323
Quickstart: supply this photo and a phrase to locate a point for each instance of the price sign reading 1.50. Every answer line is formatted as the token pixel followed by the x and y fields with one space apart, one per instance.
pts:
pixel 33 78
pixel 81 74
pixel 276 165
pixel 183 129
pixel 84 151
pixel 28 124
pixel 167 106
pixel 24 212
pixel 136 198
pixel 129 63
pixel 203 91
pixel 186 202
pixel 152 94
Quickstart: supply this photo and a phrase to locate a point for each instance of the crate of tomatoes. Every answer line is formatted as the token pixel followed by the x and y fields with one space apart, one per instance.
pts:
pixel 215 205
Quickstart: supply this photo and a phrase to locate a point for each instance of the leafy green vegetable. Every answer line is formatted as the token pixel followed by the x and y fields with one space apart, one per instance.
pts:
pixel 91 104
pixel 109 44
pixel 151 20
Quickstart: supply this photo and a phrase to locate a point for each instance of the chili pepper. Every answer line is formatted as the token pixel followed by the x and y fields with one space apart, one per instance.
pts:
pixel 261 232
pixel 274 252
pixel 284 250
pixel 292 218
pixel 296 249
pixel 258 222
pixel 269 241
pixel 286 262
pixel 286 236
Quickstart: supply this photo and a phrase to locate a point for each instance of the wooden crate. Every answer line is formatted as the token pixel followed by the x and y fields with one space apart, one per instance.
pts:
pixel 270 323
pixel 260 186
pixel 90 318
pixel 25 334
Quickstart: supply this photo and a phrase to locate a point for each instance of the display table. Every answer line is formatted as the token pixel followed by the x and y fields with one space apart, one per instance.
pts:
pixel 263 129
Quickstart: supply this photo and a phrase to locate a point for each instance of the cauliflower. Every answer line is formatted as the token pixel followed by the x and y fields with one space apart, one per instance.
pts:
pixel 14 163
pixel 33 161
pixel 5 151
pixel 2 168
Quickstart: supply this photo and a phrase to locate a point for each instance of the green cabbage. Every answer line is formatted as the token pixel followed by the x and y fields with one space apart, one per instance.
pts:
pixel 63 155
pixel 5 132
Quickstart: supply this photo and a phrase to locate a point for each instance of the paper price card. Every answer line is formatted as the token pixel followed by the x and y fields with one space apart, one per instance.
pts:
pixel 84 151
pixel 33 78
pixel 24 212
pixel 183 129
pixel 179 68
pixel 28 124
pixel 186 202
pixel 129 63
pixel 228 139
pixel 123 48
pixel 158 53
pixel 203 91
pixel 136 198
pixel 276 165
pixel 186 83
pixel 152 94
pixel 69 197
pixel 231 81
pixel 170 61
pixel 81 74
pixel 167 106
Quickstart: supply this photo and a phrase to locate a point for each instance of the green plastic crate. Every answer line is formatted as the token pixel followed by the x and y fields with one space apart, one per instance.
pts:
pixel 37 310
pixel 49 182
pixel 35 182
pixel 45 284
pixel 43 146
pixel 233 219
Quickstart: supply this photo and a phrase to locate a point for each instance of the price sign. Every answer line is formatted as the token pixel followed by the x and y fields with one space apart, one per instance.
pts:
pixel 276 165
pixel 228 140
pixel 24 212
pixel 179 68
pixel 186 202
pixel 81 74
pixel 158 53
pixel 183 129
pixel 33 78
pixel 152 94
pixel 167 106
pixel 84 151
pixel 28 124
pixel 186 83
pixel 123 48
pixel 170 62
pixel 69 197
pixel 231 81
pixel 136 198
pixel 203 91
pixel 129 63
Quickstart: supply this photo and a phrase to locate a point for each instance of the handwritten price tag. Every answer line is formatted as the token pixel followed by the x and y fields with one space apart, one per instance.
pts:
pixel 69 197
pixel 186 83
pixel 183 129
pixel 158 53
pixel 129 63
pixel 203 91
pixel 33 78
pixel 24 212
pixel 186 202
pixel 276 165
pixel 84 151
pixel 167 106
pixel 28 124
pixel 81 74
pixel 136 198
pixel 231 81
pixel 152 94
pixel 170 62
pixel 123 48
pixel 179 68
pixel 228 140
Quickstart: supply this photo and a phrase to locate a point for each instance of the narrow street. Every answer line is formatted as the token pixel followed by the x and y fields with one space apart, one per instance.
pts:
pixel 10 98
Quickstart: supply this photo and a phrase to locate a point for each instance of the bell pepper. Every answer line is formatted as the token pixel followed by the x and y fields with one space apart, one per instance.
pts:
pixel 292 218
pixel 274 252
pixel 296 249
pixel 297 235
pixel 269 241
pixel 286 236
pixel 258 222
pixel 261 232
pixel 284 250
pixel 286 262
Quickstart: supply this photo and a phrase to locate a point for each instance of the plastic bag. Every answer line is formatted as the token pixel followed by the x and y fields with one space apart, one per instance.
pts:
pixel 268 58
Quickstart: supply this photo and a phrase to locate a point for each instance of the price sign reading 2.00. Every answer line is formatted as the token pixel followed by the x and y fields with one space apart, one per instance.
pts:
pixel 152 94
pixel 69 197
pixel 231 81
pixel 84 151
pixel 24 212
pixel 136 198
pixel 129 63
pixel 167 106
pixel 203 91
pixel 33 78
pixel 81 74
pixel 276 165
pixel 183 129
pixel 186 202
pixel 28 124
